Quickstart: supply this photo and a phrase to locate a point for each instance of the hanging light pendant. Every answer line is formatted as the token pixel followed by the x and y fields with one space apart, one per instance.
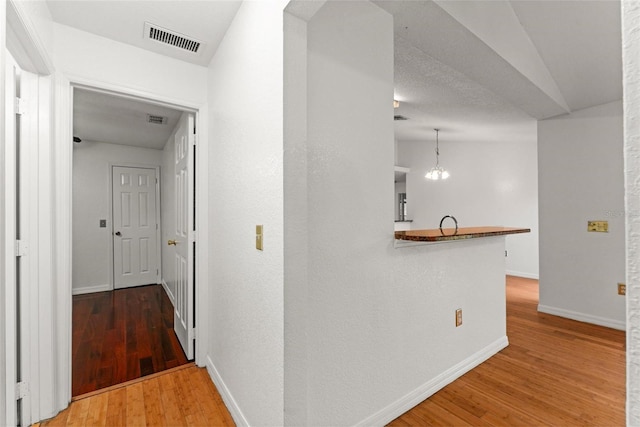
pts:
pixel 437 172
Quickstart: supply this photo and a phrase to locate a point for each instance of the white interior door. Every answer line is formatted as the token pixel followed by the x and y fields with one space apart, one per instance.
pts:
pixel 183 240
pixel 135 237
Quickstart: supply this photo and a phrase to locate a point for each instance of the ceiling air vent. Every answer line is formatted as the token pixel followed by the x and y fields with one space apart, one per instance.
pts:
pixel 399 117
pixel 156 120
pixel 163 35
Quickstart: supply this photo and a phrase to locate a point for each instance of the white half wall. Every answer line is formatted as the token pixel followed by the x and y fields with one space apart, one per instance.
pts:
pixel 491 183
pixel 369 329
pixel 580 158
pixel 91 182
pixel 246 189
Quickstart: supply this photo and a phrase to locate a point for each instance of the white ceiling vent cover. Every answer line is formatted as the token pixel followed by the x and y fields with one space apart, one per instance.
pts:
pixel 156 120
pixel 172 38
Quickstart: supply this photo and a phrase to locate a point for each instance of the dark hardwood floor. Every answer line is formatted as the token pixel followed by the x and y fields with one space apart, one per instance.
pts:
pixel 555 372
pixel 122 335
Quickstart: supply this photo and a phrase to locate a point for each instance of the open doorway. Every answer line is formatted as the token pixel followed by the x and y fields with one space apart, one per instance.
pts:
pixel 133 245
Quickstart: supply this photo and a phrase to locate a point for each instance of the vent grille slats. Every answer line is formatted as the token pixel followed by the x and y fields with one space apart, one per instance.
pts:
pixel 180 41
pixel 158 120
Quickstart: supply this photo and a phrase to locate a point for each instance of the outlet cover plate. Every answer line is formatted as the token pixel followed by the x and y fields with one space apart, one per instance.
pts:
pixel 622 289
pixel 598 226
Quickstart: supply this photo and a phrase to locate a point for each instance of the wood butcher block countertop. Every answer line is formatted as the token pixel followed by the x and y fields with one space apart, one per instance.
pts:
pixel 437 235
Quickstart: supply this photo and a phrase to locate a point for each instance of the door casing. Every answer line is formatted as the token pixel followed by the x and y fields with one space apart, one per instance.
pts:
pixel 63 163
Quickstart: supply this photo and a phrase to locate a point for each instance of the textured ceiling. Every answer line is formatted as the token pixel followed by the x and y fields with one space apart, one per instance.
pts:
pixel 483 69
pixel 100 117
pixel 124 20
pixel 478 70
pixel 433 95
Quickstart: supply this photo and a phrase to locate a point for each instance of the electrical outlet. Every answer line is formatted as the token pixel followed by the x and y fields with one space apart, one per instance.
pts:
pixel 622 289
pixel 458 317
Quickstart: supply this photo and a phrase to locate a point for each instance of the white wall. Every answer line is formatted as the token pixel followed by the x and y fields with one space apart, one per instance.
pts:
pixel 91 182
pixel 631 81
pixel 369 329
pixel 581 179
pixel 92 59
pixel 246 181
pixel 491 183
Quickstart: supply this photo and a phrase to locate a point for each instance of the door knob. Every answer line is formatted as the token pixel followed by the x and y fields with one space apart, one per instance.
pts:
pixel 118 233
pixel 172 242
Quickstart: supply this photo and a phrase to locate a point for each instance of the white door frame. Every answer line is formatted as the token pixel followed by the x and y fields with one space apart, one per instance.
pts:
pixel 31 55
pixel 112 281
pixel 63 164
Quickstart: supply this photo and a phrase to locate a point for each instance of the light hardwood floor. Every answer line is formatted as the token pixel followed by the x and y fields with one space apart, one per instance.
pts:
pixel 555 372
pixel 183 396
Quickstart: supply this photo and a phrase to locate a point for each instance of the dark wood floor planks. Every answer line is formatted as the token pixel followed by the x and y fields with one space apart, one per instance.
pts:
pixel 122 335
pixel 555 372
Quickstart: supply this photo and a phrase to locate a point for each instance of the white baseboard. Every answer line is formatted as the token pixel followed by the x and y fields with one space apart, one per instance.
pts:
pixel 583 317
pixel 91 289
pixel 229 401
pixel 169 293
pixel 525 275
pixel 402 405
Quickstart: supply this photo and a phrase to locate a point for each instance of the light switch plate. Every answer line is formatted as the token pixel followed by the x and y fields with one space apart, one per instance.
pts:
pixel 103 223
pixel 259 237
pixel 598 226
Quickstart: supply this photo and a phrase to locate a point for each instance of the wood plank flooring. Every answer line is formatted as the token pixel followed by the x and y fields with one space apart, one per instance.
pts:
pixel 183 397
pixel 555 372
pixel 122 335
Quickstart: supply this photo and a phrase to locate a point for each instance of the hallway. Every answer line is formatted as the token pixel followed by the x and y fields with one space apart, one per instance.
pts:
pixel 121 335
pixel 555 372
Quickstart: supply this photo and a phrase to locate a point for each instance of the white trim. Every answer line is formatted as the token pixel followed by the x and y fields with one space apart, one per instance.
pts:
pixel 28 197
pixel 63 254
pixel 63 163
pixel 227 397
pixel 522 274
pixel 5 346
pixel 131 93
pixel 201 296
pixel 91 289
pixel 23 40
pixel 583 317
pixel 157 170
pixel 10 274
pixel 169 293
pixel 413 398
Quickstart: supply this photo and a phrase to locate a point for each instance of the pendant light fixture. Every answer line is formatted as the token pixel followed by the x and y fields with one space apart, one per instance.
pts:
pixel 438 172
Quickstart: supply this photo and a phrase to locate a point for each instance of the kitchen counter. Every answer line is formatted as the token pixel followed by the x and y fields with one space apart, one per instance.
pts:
pixel 450 234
